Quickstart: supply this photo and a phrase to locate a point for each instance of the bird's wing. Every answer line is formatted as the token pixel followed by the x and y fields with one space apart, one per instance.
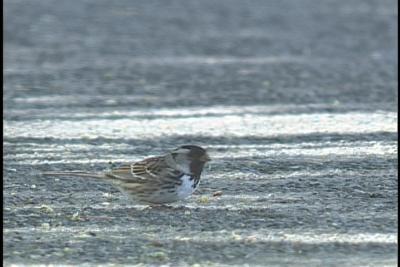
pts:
pixel 151 169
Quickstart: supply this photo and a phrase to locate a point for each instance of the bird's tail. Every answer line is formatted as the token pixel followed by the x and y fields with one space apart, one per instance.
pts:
pixel 75 173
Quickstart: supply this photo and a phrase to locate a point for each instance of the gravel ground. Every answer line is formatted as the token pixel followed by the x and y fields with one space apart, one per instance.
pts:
pixel 295 100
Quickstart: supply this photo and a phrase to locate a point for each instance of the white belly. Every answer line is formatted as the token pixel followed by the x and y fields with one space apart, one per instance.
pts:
pixel 186 188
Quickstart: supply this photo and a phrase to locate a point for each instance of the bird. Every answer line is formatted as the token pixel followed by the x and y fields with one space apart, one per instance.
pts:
pixel 160 180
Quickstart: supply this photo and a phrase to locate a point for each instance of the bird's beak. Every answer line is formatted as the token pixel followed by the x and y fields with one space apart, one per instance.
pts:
pixel 205 158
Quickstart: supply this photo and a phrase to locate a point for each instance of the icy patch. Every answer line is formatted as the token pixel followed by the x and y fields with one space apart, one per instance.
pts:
pixel 254 125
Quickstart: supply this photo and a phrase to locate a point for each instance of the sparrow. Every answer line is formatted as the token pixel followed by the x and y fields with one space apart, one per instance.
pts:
pixel 157 180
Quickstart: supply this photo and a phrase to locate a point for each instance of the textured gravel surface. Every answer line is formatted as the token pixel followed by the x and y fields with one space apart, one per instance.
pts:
pixel 295 100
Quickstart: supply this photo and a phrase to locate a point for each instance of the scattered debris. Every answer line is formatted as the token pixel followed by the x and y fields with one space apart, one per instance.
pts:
pixel 217 194
pixel 76 217
pixel 92 233
pixel 204 199
pixel 156 243
pixel 159 255
pixel 46 209
pixel 45 226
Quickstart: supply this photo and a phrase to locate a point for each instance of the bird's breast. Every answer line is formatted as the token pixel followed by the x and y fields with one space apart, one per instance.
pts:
pixel 187 187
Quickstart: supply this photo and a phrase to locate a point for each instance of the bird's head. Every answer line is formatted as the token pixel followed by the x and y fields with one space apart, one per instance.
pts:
pixel 190 158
